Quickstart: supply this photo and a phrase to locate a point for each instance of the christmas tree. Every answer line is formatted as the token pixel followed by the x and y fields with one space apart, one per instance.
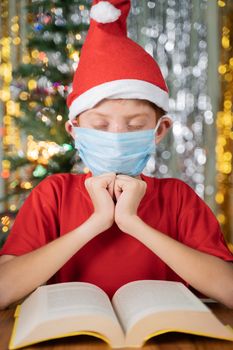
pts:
pixel 56 33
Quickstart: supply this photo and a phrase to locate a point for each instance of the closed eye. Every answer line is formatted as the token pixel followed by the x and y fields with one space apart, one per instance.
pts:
pixel 100 126
pixel 135 126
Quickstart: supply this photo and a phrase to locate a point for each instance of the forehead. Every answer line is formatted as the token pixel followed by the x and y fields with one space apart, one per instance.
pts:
pixel 125 103
pixel 120 107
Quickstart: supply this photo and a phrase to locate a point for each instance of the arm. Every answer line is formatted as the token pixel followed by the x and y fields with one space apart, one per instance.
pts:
pixel 210 275
pixel 22 274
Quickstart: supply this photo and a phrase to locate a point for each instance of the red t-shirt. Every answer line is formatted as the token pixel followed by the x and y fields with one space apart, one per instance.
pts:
pixel 61 203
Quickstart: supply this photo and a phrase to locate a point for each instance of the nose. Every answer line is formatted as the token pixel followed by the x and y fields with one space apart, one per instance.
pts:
pixel 117 127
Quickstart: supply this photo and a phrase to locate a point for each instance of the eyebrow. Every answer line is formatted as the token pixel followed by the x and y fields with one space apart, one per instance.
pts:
pixel 127 116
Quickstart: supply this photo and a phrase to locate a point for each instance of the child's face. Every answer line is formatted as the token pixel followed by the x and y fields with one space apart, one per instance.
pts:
pixel 121 115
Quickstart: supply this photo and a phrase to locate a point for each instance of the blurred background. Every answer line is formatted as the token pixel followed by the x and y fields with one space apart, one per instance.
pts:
pixel 40 44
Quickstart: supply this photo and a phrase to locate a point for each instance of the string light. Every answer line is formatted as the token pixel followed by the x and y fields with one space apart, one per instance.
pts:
pixel 11 137
pixel 224 123
pixel 41 151
pixel 10 41
pixel 5 223
pixel 32 84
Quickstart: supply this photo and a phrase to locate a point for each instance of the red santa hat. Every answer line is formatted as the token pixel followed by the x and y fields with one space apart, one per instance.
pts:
pixel 113 66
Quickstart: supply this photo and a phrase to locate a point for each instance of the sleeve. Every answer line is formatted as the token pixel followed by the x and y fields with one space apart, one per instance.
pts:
pixel 198 227
pixel 36 223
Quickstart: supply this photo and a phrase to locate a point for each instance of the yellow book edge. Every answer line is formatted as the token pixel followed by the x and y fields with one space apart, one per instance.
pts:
pixel 105 339
pixel 16 315
pixel 189 332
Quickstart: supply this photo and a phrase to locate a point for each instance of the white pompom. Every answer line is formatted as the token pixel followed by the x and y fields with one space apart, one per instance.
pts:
pixel 104 12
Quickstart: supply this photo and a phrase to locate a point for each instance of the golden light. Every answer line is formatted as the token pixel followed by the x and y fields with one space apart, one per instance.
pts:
pixel 35 54
pixel 41 151
pixel 48 101
pixel 75 56
pixel 221 3
pixel 15 27
pixel 26 59
pixel 6 164
pixel 219 198
pixel 225 42
pixel 32 84
pixel 221 218
pixel 5 95
pixel 12 108
pixel 222 69
pixel 24 96
pixel 12 207
pixel 5 220
pixel 27 185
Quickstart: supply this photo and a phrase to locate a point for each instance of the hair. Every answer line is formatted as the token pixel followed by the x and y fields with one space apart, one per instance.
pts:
pixel 159 111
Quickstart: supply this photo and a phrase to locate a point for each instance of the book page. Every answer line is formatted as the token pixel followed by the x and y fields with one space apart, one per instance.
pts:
pixel 140 298
pixel 64 299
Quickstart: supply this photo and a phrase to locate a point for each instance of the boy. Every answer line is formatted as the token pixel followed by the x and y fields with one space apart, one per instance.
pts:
pixel 114 224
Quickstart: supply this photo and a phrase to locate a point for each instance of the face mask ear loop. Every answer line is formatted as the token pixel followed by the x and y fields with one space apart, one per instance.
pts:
pixel 157 126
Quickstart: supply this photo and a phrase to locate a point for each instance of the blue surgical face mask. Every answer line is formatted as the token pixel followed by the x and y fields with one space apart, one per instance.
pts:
pixel 122 153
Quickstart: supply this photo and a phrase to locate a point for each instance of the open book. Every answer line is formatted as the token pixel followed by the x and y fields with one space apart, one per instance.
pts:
pixel 138 311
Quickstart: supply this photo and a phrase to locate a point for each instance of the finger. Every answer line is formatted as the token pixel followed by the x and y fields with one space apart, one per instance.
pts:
pixel 118 187
pixel 112 174
pixel 110 188
pixel 127 177
pixel 122 176
pixel 108 182
pixel 103 181
pixel 109 176
pixel 117 190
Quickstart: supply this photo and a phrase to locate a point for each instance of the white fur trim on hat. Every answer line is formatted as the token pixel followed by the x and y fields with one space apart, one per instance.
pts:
pixel 123 88
pixel 104 12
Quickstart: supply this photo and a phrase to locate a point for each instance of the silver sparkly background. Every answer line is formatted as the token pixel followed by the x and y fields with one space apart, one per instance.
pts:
pixel 175 34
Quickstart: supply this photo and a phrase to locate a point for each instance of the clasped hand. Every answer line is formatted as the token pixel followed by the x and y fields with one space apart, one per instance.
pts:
pixel 115 197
